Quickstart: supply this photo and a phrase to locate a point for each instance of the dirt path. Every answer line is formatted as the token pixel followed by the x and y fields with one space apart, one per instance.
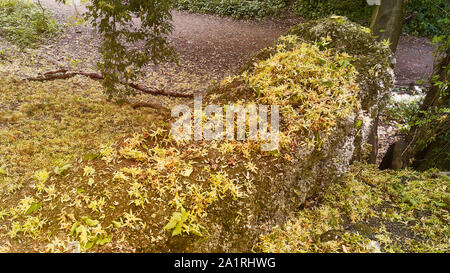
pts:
pixel 211 47
pixel 414 60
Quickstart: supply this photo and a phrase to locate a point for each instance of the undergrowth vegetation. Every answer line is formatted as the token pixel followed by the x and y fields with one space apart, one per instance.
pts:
pixel 427 17
pixel 354 10
pixel 234 8
pixel 25 23
pixel 402 109
pixel 422 17
pixel 370 211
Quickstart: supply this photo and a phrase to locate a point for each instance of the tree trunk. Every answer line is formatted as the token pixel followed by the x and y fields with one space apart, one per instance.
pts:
pixel 386 24
pixel 387 21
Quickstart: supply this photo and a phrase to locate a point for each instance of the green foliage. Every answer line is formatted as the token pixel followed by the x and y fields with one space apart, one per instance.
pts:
pixel 235 8
pixel 422 17
pixel 177 221
pixel 403 111
pixel 25 23
pixel 427 17
pixel 442 43
pixel 126 48
pixel 355 10
pixel 88 238
pixel 431 127
pixel 61 170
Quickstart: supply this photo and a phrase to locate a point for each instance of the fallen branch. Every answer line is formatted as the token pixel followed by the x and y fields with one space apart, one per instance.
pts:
pixel 151 105
pixel 63 74
pixel 55 72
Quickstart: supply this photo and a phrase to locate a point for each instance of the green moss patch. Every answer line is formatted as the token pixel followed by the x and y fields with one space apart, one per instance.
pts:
pixel 370 211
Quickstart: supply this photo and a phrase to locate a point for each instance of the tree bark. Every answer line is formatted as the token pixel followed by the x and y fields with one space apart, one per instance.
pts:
pixel 386 24
pixel 387 20
pixel 373 140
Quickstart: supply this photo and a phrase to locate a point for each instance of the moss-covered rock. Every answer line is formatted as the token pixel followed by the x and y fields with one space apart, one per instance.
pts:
pixel 285 74
pixel 370 211
pixel 373 61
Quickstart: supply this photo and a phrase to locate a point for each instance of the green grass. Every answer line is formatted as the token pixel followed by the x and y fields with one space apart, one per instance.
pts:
pixel 25 23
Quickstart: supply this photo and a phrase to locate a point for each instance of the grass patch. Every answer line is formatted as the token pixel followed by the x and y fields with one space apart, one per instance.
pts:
pixel 25 23
pixel 46 131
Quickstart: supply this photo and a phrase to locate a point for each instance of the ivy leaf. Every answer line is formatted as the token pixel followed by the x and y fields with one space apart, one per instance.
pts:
pixel 177 230
pixel 91 156
pixel 89 244
pixel 61 170
pixel 89 221
pixel 103 240
pixel 34 207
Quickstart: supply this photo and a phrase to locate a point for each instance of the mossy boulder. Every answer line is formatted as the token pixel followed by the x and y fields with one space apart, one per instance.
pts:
pixel 330 78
